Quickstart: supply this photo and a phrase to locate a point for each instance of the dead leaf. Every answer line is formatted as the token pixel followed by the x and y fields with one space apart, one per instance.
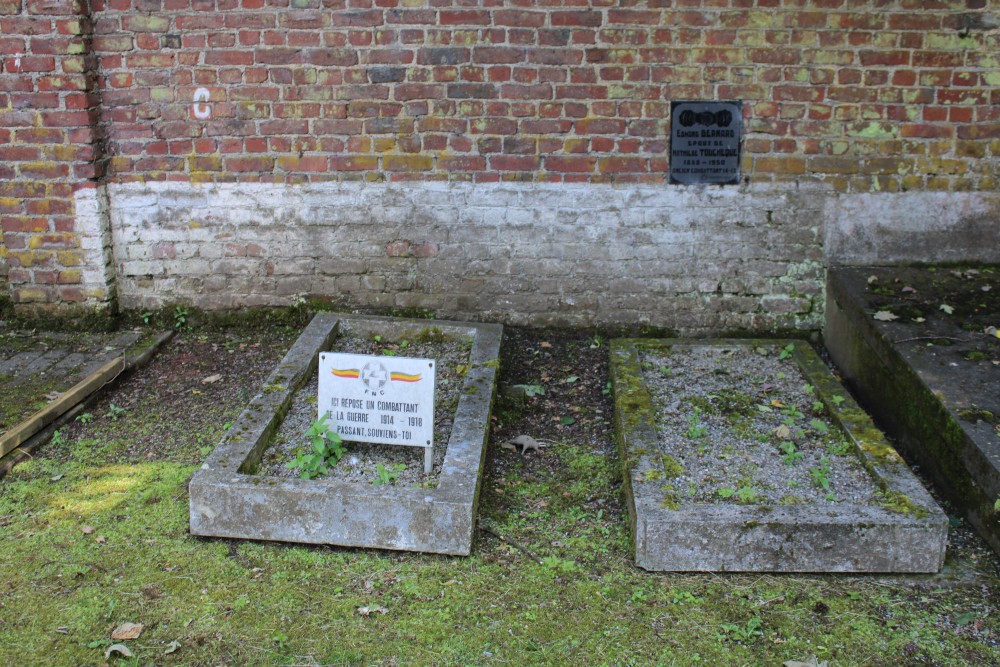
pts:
pixel 101 539
pixel 907 290
pixel 776 403
pixel 992 331
pixel 948 310
pixel 127 631
pixel 87 530
pixel 117 648
pixel 58 477
pixel 211 378
pixel 872 280
pixel 171 647
pixel 783 432
pixel 53 395
pixel 885 316
pixel 368 611
pixel 919 320
pixel 986 288
pixel 545 345
pixel 63 630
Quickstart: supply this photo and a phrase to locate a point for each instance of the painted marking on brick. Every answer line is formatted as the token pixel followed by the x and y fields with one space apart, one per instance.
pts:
pixel 201 111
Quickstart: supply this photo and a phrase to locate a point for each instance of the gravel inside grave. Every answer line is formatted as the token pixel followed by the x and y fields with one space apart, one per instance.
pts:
pixel 722 412
pixel 361 460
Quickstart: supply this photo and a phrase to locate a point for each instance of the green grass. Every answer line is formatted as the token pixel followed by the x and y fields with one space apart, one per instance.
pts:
pixel 230 602
pixel 234 602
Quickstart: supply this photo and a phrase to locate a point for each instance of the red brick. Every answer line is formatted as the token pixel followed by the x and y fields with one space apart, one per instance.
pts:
pixel 611 165
pixel 515 162
pixel 560 163
pixel 254 163
pixel 464 17
pixel 416 91
pixel 313 163
pixel 884 58
pixel 925 131
pixel 22 224
pixel 232 58
pixel 354 163
pixel 519 18
pixel 21 153
pixel 397 249
pixel 497 54
pixel 978 132
pixel 590 18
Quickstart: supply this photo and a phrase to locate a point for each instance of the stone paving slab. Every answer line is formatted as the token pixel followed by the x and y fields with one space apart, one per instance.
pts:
pixel 225 501
pixel 37 365
pixel 931 378
pixel 802 538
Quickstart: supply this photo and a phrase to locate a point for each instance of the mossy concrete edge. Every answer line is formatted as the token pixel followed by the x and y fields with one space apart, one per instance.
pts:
pixel 928 432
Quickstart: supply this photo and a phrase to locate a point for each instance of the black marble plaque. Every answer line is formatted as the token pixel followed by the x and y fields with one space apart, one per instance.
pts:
pixel 705 142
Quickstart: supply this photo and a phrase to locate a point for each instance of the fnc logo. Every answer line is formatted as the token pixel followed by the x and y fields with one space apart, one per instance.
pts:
pixel 374 375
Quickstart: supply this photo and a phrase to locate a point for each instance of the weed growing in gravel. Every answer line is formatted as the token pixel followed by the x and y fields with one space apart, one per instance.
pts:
pixel 327 450
pixel 790 455
pixel 839 448
pixel 387 475
pixel 696 429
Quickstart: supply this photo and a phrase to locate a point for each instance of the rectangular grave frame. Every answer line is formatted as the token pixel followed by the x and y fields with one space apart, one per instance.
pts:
pixel 226 502
pixel 755 538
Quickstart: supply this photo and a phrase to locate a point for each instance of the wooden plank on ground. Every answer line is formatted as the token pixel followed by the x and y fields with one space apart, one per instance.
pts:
pixel 66 400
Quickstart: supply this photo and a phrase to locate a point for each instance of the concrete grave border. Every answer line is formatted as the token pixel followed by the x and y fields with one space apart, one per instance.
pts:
pixel 917 401
pixel 225 502
pixel 756 538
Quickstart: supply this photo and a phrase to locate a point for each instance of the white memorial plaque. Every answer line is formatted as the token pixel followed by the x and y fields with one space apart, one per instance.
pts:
pixel 385 400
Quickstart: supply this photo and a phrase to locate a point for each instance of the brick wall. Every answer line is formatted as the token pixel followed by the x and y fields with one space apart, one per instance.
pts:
pixel 49 101
pixel 884 109
pixel 872 95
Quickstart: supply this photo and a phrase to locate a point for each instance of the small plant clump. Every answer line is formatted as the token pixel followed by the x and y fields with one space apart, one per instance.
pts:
pixel 327 450
pixel 696 429
pixel 385 475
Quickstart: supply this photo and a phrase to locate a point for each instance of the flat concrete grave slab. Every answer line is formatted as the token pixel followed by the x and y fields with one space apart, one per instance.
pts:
pixel 748 455
pixel 229 500
pixel 920 348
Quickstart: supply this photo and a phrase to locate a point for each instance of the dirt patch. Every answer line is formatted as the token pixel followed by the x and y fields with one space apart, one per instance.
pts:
pixel 199 380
